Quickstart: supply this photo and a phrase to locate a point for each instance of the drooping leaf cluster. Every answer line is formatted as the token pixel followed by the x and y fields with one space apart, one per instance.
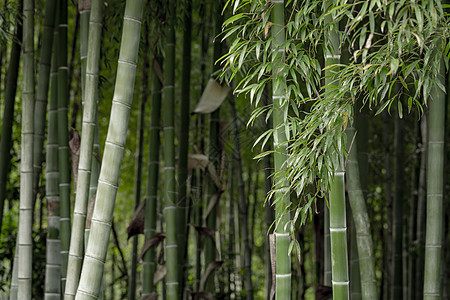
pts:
pixel 390 51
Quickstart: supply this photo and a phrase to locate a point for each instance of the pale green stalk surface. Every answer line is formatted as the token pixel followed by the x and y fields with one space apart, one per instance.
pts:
pixel 53 266
pixel 435 188
pixel 94 260
pixel 87 140
pixel 25 240
pixel 283 260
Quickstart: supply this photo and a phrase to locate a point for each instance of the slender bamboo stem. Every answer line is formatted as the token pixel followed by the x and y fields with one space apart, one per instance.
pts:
pixel 243 205
pixel 63 140
pixel 338 223
pixel 95 256
pixel 183 142
pixel 435 189
pixel 282 201
pixel 168 109
pixel 26 165
pixel 362 224
pixel 53 267
pixel 8 113
pixel 138 164
pixel 397 271
pixel 42 89
pixel 87 140
pixel 214 153
pixel 149 261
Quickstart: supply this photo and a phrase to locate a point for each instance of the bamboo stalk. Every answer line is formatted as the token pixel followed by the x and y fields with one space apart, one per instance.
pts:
pixel 362 224
pixel 25 239
pixel 63 140
pixel 435 189
pixel 338 223
pixel 183 142
pixel 42 89
pixel 87 140
pixel 149 261
pixel 8 113
pixel 170 205
pixel 282 201
pixel 53 266
pixel 95 256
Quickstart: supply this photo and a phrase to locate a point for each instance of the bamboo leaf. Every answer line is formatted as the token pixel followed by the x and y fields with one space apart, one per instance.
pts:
pixel 400 109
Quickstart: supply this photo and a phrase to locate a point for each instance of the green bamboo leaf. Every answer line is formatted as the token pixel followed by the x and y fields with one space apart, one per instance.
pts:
pixel 394 65
pixel 400 109
pixel 233 19
pixel 410 101
pixel 380 110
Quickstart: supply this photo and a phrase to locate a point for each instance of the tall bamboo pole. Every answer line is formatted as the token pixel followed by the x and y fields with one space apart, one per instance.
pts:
pixel 283 263
pixel 362 223
pixel 149 260
pixel 94 259
pixel 268 210
pixel 242 204
pixel 183 142
pixel 214 152
pixel 338 223
pixel 138 163
pixel 53 266
pixel 63 140
pixel 87 140
pixel 8 113
pixel 168 121
pixel 42 89
pixel 26 165
pixel 397 231
pixel 435 189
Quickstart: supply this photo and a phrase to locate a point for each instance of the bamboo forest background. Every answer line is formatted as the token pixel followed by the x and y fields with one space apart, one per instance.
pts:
pixel 245 117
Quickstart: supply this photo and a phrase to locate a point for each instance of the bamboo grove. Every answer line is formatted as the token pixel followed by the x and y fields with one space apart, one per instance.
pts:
pixel 231 149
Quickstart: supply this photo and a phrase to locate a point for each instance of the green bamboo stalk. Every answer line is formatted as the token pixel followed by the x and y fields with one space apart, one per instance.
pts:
pixel 214 155
pixel 421 207
pixel 138 164
pixel 282 201
pixel 26 165
pixel 168 114
pixel 397 231
pixel 412 218
pixel 87 140
pixel 230 226
pixel 63 140
pixel 14 280
pixel 268 210
pixel 338 224
pixel 362 223
pixel 8 113
pixel 53 266
pixel 387 232
pixel 42 89
pixel 242 204
pixel 355 278
pixel 435 189
pixel 183 142
pixel 149 260
pixel 84 10
pixel 327 245
pixel 94 259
